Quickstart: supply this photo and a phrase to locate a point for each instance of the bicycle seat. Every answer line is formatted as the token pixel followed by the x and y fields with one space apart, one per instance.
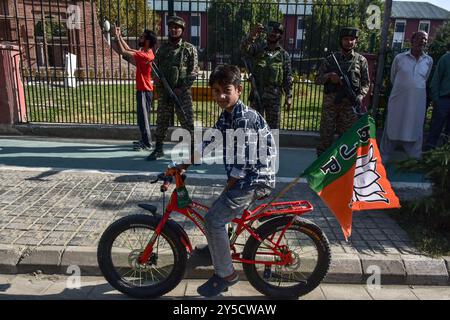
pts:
pixel 148 207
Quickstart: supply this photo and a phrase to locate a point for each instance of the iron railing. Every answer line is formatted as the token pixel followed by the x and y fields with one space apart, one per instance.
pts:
pixel 47 30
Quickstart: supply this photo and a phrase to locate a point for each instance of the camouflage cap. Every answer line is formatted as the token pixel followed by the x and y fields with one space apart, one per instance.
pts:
pixel 177 21
pixel 275 25
pixel 349 32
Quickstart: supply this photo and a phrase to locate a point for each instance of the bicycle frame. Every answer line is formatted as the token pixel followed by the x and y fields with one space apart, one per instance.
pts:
pixel 244 223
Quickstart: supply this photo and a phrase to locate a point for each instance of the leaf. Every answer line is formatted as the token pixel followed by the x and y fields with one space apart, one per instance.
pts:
pixel 366 191
pixel 372 198
pixel 365 179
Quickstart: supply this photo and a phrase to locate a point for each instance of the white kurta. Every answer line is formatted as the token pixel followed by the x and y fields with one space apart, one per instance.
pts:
pixel 407 102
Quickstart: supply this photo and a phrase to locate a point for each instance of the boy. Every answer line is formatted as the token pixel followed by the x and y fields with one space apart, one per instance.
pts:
pixel 142 59
pixel 246 181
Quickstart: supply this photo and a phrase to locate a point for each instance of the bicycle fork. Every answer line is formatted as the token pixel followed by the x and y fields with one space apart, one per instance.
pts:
pixel 146 254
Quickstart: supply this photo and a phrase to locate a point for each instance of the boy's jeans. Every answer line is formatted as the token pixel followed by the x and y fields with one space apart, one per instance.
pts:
pixel 224 209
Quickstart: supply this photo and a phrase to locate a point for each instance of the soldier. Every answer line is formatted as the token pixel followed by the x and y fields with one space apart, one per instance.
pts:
pixel 337 112
pixel 178 61
pixel 271 68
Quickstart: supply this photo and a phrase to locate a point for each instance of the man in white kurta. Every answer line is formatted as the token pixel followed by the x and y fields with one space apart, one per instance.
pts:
pixel 407 102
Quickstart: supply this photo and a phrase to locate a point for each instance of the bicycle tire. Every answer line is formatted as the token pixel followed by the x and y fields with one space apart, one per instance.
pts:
pixel 105 259
pixel 309 229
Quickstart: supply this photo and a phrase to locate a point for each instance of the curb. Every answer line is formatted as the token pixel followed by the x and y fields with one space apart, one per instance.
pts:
pixel 344 268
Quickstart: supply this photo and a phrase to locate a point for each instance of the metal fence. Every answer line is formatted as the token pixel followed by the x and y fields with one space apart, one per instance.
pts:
pixel 58 37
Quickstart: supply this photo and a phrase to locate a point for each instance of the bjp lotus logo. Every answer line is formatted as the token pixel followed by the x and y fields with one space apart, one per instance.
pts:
pixel 365 186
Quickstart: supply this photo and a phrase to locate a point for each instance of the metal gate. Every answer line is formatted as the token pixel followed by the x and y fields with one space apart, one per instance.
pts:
pixel 72 72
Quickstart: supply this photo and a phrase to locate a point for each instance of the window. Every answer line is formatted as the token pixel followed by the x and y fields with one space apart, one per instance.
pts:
pixel 165 27
pixel 399 34
pixel 195 41
pixel 298 45
pixel 195 21
pixel 400 26
pixel 424 26
pixel 195 26
pixel 301 23
pixel 397 46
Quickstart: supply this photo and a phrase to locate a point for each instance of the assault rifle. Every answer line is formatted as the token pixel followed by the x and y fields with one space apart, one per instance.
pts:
pixel 168 89
pixel 348 90
pixel 251 77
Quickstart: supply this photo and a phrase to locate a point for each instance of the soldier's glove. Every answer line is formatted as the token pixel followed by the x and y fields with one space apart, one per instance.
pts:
pixel 358 107
pixel 178 91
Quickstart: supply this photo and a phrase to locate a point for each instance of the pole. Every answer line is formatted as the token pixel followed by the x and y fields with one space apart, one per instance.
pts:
pixel 381 56
pixel 171 7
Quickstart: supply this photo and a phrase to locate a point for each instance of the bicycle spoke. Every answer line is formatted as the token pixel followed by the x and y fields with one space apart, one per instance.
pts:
pixel 129 241
pixel 123 276
pixel 145 276
pixel 140 240
pixel 157 270
pixel 302 249
pixel 151 273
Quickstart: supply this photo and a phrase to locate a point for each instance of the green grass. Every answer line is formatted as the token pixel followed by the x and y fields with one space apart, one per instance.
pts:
pixel 115 104
pixel 428 238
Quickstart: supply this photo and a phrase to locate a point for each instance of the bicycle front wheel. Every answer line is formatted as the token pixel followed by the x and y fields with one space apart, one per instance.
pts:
pixel 307 245
pixel 118 255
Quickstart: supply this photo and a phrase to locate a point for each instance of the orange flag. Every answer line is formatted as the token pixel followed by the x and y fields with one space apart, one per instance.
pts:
pixel 350 176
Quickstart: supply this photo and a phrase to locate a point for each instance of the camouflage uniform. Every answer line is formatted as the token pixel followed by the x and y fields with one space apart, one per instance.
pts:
pixel 273 74
pixel 337 114
pixel 179 64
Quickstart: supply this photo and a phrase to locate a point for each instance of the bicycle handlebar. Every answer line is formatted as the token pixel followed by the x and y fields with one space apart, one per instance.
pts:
pixel 167 178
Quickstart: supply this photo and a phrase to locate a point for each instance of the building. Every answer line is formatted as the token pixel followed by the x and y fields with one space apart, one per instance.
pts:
pixel 195 13
pixel 25 22
pixel 408 17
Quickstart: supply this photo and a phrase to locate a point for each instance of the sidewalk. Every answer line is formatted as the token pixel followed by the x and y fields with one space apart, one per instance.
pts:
pixel 51 219
pixel 54 287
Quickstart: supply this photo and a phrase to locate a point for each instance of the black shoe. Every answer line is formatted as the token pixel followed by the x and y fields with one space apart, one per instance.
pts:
pixel 157 153
pixel 202 250
pixel 140 146
pixel 216 285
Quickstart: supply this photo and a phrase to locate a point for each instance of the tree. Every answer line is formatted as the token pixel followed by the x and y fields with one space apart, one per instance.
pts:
pixel 53 28
pixel 133 15
pixel 229 21
pixel 327 17
pixel 439 44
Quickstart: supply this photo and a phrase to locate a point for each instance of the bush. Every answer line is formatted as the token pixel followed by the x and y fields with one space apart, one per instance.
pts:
pixel 433 209
pixel 80 75
pixel 438 46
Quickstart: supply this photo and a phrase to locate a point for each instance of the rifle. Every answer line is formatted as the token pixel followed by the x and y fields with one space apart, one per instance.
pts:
pixel 168 89
pixel 348 90
pixel 255 93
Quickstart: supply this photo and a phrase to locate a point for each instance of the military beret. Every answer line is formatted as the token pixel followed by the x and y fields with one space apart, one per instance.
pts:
pixel 176 20
pixel 349 32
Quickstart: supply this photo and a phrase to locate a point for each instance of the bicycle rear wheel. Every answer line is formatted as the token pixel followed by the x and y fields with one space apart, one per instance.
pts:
pixel 120 247
pixel 309 248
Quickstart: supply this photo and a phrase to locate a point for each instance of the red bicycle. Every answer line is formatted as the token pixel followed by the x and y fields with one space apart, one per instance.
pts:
pixel 145 256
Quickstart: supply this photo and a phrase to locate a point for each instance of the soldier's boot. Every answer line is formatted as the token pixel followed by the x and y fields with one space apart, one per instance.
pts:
pixel 157 153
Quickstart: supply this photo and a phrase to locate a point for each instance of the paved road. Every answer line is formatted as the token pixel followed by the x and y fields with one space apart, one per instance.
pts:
pixel 109 155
